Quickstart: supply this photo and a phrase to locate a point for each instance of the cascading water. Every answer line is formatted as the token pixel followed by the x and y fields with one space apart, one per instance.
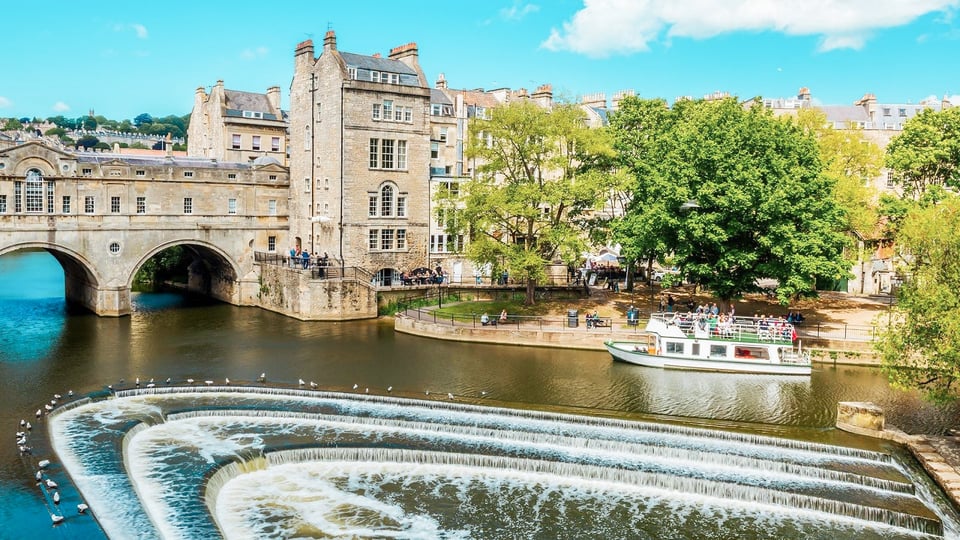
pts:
pixel 202 462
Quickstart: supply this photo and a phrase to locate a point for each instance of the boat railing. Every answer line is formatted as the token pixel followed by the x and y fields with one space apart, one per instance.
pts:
pixel 755 329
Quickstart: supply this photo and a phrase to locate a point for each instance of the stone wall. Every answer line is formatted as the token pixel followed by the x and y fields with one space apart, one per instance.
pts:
pixel 294 293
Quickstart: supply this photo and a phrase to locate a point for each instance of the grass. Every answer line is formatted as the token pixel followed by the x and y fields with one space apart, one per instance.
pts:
pixel 514 306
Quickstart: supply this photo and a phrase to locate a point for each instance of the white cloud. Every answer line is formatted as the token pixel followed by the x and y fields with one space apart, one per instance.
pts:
pixel 518 10
pixel 254 53
pixel 606 27
pixel 4 102
pixel 61 107
pixel 139 29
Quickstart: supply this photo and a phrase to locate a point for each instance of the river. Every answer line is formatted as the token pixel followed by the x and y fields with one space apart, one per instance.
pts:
pixel 46 350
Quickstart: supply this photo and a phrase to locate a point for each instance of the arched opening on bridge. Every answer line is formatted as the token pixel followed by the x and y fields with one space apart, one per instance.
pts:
pixel 39 270
pixel 187 266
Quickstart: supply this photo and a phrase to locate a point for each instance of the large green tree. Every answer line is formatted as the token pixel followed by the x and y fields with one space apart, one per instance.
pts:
pixel 919 343
pixel 539 176
pixel 851 161
pixel 639 127
pixel 737 195
pixel 927 152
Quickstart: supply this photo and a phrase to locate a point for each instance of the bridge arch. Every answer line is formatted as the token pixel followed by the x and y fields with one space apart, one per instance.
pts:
pixel 214 272
pixel 82 281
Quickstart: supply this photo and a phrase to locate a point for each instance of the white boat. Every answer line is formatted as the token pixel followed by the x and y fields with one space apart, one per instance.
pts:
pixel 741 345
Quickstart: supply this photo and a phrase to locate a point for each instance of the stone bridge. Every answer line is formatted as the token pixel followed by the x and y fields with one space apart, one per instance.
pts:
pixel 102 216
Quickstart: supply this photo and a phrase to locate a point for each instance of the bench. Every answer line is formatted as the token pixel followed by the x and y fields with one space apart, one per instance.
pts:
pixel 599 321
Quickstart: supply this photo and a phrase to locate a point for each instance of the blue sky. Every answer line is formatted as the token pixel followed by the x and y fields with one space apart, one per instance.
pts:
pixel 123 58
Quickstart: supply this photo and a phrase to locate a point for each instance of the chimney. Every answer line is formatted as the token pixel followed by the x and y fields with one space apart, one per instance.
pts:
pixel 376 55
pixel 869 104
pixel 804 94
pixel 620 96
pixel 441 82
pixel 409 55
pixel 330 41
pixel 543 96
pixel 273 96
pixel 596 101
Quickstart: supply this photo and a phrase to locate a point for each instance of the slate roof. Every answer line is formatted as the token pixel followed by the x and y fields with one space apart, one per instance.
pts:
pixel 437 96
pixel 186 162
pixel 376 64
pixel 247 101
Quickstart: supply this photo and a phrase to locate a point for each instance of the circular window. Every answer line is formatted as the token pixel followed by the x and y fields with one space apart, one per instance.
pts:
pixel 65 167
pixel 115 247
pixel 2 165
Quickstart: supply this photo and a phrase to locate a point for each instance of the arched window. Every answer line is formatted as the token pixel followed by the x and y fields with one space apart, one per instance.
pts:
pixel 386 201
pixel 34 191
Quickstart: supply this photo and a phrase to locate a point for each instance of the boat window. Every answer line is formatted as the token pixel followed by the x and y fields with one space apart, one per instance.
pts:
pixel 751 353
pixel 718 351
pixel 695 349
pixel 674 347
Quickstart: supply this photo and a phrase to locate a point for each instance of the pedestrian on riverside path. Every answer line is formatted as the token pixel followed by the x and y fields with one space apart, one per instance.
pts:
pixel 670 303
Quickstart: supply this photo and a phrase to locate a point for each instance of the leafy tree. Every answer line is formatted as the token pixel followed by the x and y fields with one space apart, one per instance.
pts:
pixel 89 123
pixel 537 182
pixel 763 208
pixel 638 128
pixel 102 146
pixel 851 161
pixel 87 141
pixel 920 346
pixel 24 120
pixel 142 119
pixel 12 124
pixel 927 152
pixel 56 132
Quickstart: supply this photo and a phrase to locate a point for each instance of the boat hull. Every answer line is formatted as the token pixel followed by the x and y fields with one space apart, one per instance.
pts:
pixel 637 353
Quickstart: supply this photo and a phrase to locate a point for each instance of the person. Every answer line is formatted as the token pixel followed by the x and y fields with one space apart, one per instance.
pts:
pixel 484 319
pixel 670 303
pixel 505 277
pixel 503 316
pixel 306 259
pixel 293 257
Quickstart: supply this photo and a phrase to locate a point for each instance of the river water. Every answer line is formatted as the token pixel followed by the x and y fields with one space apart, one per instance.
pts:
pixel 45 350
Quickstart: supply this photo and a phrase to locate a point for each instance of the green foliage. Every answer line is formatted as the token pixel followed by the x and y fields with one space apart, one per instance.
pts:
pixel 852 162
pixel 142 119
pixel 920 346
pixel 12 124
pixel 927 152
pixel 764 208
pixel 56 132
pixel 87 141
pixel 538 181
pixel 89 123
pixel 169 265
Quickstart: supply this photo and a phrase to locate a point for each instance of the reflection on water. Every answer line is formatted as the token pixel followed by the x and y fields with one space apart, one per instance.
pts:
pixel 177 337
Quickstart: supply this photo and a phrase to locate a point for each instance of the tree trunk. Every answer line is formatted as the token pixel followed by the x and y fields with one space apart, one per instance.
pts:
pixel 629 286
pixel 531 290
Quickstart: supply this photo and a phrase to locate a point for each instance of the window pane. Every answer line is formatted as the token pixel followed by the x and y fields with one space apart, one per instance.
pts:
pixel 386 201
pixel 401 239
pixel 386 239
pixel 374 146
pixel 34 191
pixel 401 207
pixel 373 239
pixel 386 151
pixel 401 154
pixel 372 208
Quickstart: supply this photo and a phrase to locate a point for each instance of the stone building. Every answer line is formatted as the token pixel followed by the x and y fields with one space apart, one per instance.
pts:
pixel 360 157
pixel 238 127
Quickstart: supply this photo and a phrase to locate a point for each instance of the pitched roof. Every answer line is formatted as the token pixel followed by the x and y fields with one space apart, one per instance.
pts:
pixel 376 63
pixel 247 101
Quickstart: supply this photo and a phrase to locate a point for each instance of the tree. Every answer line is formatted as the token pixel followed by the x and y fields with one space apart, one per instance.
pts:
pixel 537 183
pixel 920 346
pixel 927 152
pixel 89 123
pixel 757 204
pixel 55 132
pixel 638 128
pixel 141 119
pixel 851 161
pixel 87 141
pixel 12 124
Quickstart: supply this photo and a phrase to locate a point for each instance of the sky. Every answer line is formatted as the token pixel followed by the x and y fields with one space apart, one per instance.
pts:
pixel 122 58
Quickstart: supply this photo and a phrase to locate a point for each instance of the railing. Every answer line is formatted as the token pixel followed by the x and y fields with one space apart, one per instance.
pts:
pixel 750 328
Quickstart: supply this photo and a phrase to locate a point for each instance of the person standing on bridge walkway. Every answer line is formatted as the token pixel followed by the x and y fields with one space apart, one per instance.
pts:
pixel 306 259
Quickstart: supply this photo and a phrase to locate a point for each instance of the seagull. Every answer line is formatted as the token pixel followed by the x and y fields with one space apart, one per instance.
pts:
pixel 56 497
pixel 39 476
pixel 82 508
pixel 109 387
pixel 190 381
pixel 43 463
pixel 355 385
pixel 262 377
pixel 483 392
pixel 57 396
pixel 51 484
pixel 57 518
pixel 28 426
pixel 302 382
pixel 226 381
pixel 23 422
pixel 138 381
pixel 366 390
pixel 48 407
pixel 389 389
pixel 168 380
pixel 208 382
pixel 39 413
pixel 151 380
pixel 449 395
pixel 150 385
pixel 313 385
pixel 70 393
pixel 428 392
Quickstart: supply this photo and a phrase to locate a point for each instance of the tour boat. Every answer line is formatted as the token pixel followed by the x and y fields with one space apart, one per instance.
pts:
pixel 743 345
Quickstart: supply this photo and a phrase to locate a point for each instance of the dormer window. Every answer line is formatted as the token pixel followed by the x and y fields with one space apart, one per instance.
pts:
pixel 252 114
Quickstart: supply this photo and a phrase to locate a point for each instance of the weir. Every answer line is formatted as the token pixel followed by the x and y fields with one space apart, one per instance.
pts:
pixel 182 446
